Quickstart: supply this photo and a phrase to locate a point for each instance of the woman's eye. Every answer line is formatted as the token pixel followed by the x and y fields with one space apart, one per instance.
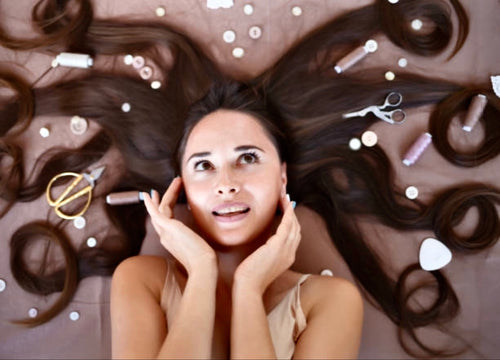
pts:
pixel 248 158
pixel 202 165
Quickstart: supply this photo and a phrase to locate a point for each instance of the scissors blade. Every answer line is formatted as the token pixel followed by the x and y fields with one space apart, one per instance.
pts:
pixel 94 175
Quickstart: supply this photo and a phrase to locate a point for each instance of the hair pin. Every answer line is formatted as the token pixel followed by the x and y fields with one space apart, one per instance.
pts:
pixel 355 56
pixel 475 111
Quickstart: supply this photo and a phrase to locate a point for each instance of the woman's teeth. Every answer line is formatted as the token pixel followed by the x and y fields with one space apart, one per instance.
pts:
pixel 231 211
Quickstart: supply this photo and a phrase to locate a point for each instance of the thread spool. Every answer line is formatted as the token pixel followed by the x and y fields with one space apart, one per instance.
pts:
pixel 82 61
pixel 475 112
pixel 417 148
pixel 355 56
pixel 124 197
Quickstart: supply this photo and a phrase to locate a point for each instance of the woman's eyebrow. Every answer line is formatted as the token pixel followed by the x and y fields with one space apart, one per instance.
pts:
pixel 199 154
pixel 247 147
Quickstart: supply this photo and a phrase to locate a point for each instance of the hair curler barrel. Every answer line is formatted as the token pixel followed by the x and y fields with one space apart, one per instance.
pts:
pixel 475 111
pixel 354 56
pixel 417 149
pixel 74 60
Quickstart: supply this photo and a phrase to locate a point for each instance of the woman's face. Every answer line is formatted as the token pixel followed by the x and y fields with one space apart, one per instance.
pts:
pixel 233 177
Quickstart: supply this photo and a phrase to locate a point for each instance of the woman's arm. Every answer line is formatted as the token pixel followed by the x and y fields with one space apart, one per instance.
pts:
pixel 138 323
pixel 334 312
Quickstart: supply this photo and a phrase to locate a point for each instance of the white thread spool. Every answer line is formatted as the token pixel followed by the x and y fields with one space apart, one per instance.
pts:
pixel 82 61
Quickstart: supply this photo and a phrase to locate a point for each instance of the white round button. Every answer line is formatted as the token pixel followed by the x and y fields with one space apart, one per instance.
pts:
pixel 402 62
pixel 369 138
pixel 3 285
pixel 91 242
pixel 417 24
pixel 78 125
pixel 255 32
pixel 146 72
pixel 138 62
pixel 79 222
pixel 389 76
pixel 411 192
pixel 296 11
pixel 326 272
pixel 126 107
pixel 155 84
pixel 238 52
pixel 248 9
pixel 229 36
pixel 355 144
pixel 44 132
pixel 371 45
pixel 74 315
pixel 128 59
pixel 160 11
pixel 33 312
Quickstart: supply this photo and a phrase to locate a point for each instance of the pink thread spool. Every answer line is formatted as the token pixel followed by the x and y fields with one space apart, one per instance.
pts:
pixel 475 111
pixel 356 55
pixel 417 149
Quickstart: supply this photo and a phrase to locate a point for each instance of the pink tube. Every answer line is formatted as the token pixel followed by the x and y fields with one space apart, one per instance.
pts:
pixel 475 112
pixel 417 149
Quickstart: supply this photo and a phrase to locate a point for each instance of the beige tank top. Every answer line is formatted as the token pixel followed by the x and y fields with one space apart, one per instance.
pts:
pixel 286 320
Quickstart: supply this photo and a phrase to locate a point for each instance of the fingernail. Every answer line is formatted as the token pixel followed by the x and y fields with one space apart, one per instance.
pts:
pixel 141 195
pixel 294 204
pixel 288 197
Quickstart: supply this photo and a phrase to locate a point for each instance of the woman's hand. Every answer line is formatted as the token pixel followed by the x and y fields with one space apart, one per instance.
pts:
pixel 270 260
pixel 184 244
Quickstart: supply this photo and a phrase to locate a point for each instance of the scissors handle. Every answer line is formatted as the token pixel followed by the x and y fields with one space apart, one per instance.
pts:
pixel 64 199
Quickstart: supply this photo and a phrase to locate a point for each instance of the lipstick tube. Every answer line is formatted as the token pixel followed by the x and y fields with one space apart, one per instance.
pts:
pixel 417 148
pixel 475 112
pixel 124 197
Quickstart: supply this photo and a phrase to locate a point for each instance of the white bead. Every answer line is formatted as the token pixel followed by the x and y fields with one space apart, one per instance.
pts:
pixel 393 1
pixel 411 192
pixel 78 125
pixel 126 107
pixel 3 285
pixel 248 9
pixel 74 315
pixel 155 84
pixel 255 32
pixel 402 62
pixel 160 11
pixel 371 46
pixel 229 36
pixel 44 132
pixel 91 242
pixel 128 59
pixel 326 272
pixel 369 138
pixel 389 76
pixel 417 24
pixel 355 144
pixel 33 312
pixel 79 222
pixel 238 52
pixel 296 11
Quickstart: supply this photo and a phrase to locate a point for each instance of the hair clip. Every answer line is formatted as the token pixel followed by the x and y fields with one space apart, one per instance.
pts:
pixel 418 147
pixel 475 111
pixel 356 55
pixel 82 61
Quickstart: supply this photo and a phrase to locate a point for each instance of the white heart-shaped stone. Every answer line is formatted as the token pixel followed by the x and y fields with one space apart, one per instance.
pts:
pixel 216 4
pixel 434 254
pixel 495 83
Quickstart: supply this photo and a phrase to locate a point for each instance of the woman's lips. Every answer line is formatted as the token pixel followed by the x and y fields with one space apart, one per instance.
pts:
pixel 230 212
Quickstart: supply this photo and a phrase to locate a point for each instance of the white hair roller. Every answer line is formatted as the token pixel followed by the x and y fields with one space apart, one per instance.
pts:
pixel 82 61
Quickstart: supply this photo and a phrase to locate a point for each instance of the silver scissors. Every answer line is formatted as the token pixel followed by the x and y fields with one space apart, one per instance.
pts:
pixel 66 198
pixel 396 116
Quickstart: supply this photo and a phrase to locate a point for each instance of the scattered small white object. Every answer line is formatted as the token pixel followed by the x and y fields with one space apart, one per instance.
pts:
pixel 3 285
pixel 78 125
pixel 91 242
pixel 44 132
pixel 248 9
pixel 138 62
pixel 296 11
pixel 79 222
pixel 411 192
pixel 417 24
pixel 371 46
pixel 33 312
pixel 126 107
pixel 255 32
pixel 495 83
pixel 74 315
pixel 389 76
pixel 326 272
pixel 146 72
pixel 393 1
pixel 128 59
pixel 355 144
pixel 369 138
pixel 229 36
pixel 216 4
pixel 238 52
pixel 82 61
pixel 434 255
pixel 160 11
pixel 402 62
pixel 155 84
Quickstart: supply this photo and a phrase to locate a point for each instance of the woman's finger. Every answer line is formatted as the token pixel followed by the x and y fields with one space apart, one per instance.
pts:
pixel 170 197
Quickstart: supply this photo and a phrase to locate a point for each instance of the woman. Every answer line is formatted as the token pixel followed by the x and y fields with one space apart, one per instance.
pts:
pixel 235 280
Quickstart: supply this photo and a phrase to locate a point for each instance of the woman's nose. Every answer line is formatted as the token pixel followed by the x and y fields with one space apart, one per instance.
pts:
pixel 227 183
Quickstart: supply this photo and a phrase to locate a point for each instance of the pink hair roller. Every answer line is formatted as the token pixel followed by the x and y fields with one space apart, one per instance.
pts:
pixel 417 149
pixel 475 111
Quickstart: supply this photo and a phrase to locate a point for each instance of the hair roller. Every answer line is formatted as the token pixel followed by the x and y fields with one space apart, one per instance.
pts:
pixel 442 116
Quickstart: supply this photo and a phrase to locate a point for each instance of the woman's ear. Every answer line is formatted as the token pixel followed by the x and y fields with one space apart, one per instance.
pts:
pixel 284 179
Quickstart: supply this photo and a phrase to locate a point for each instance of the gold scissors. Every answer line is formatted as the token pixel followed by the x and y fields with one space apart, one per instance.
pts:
pixel 396 116
pixel 65 198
